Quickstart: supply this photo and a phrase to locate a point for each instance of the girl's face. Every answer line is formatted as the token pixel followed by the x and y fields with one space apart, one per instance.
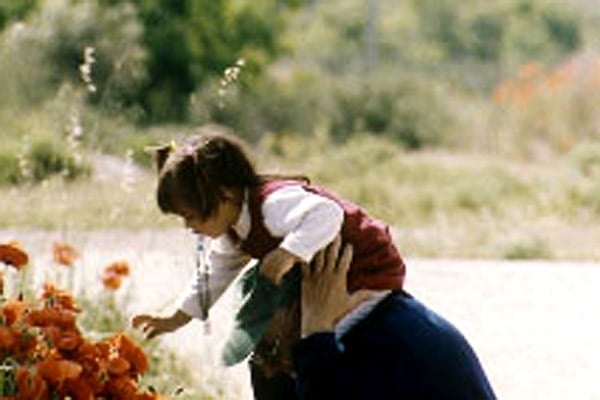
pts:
pixel 217 224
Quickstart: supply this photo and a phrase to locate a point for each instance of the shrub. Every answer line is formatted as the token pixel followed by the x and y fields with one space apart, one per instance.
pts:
pixel 407 109
pixel 586 157
pixel 526 247
pixel 9 167
pixel 293 104
pixel 47 49
pixel 43 159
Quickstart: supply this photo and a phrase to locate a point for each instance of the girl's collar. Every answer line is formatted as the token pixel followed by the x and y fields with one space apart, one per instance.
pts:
pixel 242 225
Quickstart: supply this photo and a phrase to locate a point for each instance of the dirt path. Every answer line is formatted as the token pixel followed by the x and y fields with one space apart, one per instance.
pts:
pixel 535 325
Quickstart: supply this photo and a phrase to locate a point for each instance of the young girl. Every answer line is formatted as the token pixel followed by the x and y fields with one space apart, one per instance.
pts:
pixel 210 182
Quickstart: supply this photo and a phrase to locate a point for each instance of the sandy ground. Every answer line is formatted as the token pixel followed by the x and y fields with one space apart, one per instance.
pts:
pixel 535 325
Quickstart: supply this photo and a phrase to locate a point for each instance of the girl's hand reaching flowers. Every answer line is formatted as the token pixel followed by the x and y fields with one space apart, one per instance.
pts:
pixel 153 326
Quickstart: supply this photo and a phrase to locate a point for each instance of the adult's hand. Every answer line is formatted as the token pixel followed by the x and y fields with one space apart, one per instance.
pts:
pixel 325 299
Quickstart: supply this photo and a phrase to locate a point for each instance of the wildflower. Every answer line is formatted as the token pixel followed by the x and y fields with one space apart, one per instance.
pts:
pixel 51 316
pixel 57 371
pixel 85 69
pixel 8 338
pixel 131 352
pixel 119 268
pixel 118 366
pixel 114 273
pixel 59 298
pixel 30 385
pixel 64 254
pixel 12 254
pixel 111 281
pixel 12 311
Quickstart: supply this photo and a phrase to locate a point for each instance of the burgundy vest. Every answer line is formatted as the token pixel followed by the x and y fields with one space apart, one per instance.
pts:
pixel 376 263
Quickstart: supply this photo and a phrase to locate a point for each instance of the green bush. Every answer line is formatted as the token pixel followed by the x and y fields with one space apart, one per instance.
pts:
pixel 406 109
pixel 586 157
pixel 44 158
pixel 526 247
pixel 15 10
pixel 291 105
pixel 49 158
pixel 9 168
pixel 48 49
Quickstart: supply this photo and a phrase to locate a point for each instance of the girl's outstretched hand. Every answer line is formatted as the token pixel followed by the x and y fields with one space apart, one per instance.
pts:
pixel 153 326
pixel 325 298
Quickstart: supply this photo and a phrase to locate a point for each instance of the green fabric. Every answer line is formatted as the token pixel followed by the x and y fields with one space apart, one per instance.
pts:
pixel 260 298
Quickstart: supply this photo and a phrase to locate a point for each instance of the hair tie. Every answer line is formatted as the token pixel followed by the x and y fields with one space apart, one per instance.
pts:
pixel 188 149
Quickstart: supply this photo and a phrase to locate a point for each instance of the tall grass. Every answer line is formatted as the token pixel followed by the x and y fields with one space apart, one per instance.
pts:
pixel 462 205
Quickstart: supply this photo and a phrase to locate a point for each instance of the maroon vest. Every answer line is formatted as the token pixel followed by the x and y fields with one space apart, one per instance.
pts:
pixel 376 263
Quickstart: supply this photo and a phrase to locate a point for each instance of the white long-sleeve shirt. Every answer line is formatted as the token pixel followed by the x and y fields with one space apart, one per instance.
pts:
pixel 305 221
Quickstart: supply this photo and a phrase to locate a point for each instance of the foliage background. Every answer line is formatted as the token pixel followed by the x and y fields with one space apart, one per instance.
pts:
pixel 470 126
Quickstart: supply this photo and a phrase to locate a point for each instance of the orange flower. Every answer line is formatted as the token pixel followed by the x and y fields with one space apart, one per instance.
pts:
pixel 79 389
pixel 51 316
pixel 12 254
pixel 111 281
pixel 150 396
pixel 57 371
pixel 31 385
pixel 131 352
pixel 119 268
pixel 64 254
pixel 8 338
pixel 63 339
pixel 114 273
pixel 118 366
pixel 59 298
pixel 122 387
pixel 12 311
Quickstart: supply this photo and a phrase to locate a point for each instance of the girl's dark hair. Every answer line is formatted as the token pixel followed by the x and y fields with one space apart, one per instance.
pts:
pixel 196 172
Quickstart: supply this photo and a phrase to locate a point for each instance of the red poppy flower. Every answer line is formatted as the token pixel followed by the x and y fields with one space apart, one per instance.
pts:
pixel 111 281
pixel 59 298
pixel 51 316
pixel 131 352
pixel 68 340
pixel 12 311
pixel 31 385
pixel 64 254
pixel 119 268
pixel 57 371
pixel 122 387
pixel 118 366
pixel 80 389
pixel 8 338
pixel 12 254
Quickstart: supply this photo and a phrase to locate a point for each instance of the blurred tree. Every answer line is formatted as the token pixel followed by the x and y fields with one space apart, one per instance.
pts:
pixel 15 10
pixel 190 41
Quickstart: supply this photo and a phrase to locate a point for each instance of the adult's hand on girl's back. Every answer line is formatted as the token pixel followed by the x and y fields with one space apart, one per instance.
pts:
pixel 325 299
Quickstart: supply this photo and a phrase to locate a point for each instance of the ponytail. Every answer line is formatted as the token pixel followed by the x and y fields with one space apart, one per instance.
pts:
pixel 160 154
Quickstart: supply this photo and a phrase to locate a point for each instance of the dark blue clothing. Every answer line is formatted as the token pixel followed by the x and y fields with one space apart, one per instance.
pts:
pixel 402 350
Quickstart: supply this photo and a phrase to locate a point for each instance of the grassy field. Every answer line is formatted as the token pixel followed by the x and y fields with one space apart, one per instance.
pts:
pixel 440 204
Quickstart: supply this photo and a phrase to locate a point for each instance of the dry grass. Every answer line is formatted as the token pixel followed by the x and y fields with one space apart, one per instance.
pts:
pixel 440 204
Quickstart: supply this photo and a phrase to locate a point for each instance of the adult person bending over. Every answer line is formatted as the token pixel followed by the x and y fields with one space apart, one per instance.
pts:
pixel 386 348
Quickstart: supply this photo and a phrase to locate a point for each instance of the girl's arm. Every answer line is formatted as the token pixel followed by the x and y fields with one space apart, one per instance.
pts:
pixel 306 221
pixel 224 261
